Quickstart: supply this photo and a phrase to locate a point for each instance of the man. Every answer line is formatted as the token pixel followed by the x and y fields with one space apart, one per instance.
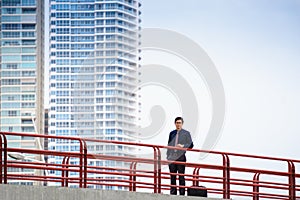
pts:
pixel 178 138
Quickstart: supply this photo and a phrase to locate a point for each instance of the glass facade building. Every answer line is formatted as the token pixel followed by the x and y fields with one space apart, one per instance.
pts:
pixel 22 73
pixel 21 68
pixel 94 74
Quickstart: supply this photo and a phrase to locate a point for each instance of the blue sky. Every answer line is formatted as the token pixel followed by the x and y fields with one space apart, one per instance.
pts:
pixel 255 46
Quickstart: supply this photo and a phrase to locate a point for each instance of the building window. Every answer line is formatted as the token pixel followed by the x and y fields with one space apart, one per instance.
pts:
pixel 12 66
pixel 12 113
pixel 28 26
pixel 28 2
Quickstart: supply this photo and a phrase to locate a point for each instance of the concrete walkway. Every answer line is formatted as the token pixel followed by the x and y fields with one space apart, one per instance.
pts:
pixel 14 192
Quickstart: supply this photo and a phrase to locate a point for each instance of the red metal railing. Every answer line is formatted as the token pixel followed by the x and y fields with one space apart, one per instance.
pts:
pixel 149 172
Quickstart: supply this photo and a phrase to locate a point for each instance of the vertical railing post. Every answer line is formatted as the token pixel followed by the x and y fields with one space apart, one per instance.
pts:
pixel 132 177
pixel 292 180
pixel 1 165
pixel 67 162
pixel 65 172
pixel 159 170
pixel 256 186
pixel 155 170
pixel 80 164
pixel 85 164
pixel 195 176
pixel 3 150
pixel 226 176
pixel 197 181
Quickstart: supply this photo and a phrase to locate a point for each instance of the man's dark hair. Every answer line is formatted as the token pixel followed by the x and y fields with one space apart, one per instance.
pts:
pixel 178 118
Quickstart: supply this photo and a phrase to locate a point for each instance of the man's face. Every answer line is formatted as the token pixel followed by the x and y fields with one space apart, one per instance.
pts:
pixel 178 124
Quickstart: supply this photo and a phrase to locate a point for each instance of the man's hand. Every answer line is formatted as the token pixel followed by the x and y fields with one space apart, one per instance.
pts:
pixel 180 145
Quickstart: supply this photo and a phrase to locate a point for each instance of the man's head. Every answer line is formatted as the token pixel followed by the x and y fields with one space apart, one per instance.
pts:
pixel 178 123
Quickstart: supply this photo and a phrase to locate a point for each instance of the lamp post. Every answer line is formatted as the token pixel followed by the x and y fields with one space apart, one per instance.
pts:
pixel 38 143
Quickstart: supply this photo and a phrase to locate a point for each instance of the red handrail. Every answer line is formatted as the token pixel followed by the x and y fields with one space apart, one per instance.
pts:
pixel 154 178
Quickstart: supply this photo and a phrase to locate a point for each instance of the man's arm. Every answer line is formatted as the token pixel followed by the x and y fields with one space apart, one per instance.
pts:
pixel 189 142
pixel 169 141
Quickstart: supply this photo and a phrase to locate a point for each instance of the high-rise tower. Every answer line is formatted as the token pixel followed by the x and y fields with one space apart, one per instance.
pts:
pixel 22 67
pixel 22 72
pixel 94 73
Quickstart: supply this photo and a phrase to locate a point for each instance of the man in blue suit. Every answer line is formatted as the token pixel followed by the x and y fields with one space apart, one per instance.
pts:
pixel 178 138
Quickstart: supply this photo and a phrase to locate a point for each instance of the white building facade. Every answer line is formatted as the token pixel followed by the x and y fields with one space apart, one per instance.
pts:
pixel 94 75
pixel 22 68
pixel 22 74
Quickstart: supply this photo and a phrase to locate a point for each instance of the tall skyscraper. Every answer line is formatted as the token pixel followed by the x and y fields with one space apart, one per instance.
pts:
pixel 22 73
pixel 94 74
pixel 22 68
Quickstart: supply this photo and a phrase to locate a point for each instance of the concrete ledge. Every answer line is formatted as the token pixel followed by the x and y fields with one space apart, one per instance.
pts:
pixel 16 192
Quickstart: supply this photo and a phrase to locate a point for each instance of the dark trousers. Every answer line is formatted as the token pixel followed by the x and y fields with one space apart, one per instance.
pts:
pixel 174 168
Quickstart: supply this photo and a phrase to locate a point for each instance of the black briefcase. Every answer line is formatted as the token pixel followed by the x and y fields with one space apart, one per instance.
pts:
pixel 199 191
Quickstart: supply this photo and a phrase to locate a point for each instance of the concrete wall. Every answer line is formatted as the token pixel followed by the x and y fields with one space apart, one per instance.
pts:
pixel 13 192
